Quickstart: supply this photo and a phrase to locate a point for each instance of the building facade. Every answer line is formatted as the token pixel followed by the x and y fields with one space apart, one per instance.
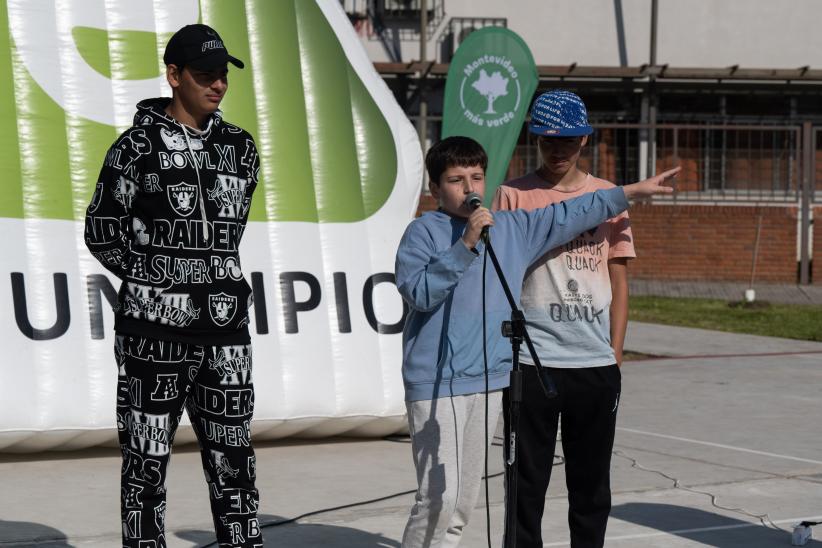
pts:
pixel 729 89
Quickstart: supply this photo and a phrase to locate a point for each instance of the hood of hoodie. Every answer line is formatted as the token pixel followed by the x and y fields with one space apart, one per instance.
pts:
pixel 153 111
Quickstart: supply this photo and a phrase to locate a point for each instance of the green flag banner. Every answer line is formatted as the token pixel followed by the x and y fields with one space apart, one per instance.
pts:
pixel 487 94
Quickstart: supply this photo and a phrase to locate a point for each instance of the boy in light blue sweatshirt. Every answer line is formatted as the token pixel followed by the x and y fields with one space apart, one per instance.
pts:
pixel 439 274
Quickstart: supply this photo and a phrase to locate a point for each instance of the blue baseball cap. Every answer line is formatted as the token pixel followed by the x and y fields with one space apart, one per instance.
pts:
pixel 559 113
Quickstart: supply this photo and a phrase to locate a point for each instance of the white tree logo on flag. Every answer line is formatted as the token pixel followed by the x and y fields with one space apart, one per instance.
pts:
pixel 496 97
pixel 491 87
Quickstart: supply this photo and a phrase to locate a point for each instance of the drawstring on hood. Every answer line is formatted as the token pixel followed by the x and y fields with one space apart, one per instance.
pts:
pixel 199 183
pixel 148 109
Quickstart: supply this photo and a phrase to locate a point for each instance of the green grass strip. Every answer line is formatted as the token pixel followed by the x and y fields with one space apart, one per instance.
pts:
pixel 803 322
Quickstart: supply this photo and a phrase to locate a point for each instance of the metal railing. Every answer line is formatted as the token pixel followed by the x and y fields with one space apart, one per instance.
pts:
pixel 721 163
pixel 408 11
pixel 355 7
pixel 402 16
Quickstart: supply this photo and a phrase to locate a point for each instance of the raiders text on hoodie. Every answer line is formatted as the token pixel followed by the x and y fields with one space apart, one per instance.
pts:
pixel 167 217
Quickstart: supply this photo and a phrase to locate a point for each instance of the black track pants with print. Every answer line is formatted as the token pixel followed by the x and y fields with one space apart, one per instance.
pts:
pixel 157 379
pixel 586 407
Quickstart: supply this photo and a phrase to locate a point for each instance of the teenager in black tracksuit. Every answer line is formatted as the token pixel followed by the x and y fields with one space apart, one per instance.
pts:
pixel 166 218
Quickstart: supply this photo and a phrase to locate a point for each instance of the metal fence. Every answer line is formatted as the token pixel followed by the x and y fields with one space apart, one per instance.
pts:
pixel 720 163
pixel 393 21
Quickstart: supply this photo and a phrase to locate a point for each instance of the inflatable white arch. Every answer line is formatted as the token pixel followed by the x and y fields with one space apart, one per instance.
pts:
pixel 325 326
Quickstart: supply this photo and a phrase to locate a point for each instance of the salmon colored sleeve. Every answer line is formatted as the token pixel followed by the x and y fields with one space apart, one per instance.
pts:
pixel 621 238
pixel 501 201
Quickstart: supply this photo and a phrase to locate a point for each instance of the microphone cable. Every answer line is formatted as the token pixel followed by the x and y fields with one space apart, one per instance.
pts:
pixel 288 521
pixel 394 439
pixel 485 368
pixel 474 201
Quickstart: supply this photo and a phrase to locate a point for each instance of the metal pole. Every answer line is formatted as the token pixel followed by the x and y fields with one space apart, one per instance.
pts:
pixel 643 138
pixel 516 331
pixel 676 152
pixel 805 197
pixel 652 99
pixel 653 31
pixel 756 249
pixel 422 122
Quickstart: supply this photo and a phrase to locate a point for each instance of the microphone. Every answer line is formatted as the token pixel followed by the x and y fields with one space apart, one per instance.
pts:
pixel 473 201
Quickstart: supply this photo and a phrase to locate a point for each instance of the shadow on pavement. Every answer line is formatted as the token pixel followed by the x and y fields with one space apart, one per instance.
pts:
pixel 706 528
pixel 309 535
pixel 18 533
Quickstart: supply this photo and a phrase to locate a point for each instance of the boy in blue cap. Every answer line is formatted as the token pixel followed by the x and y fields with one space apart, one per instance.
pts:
pixel 575 300
pixel 439 274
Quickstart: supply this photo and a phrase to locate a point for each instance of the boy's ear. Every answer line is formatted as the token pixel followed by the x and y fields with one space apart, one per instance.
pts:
pixel 584 141
pixel 434 188
pixel 173 76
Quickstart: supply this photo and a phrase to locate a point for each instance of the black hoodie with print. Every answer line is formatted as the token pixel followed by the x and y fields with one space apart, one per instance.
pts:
pixel 167 217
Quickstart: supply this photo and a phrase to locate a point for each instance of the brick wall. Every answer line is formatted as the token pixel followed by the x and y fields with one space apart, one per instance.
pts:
pixel 714 243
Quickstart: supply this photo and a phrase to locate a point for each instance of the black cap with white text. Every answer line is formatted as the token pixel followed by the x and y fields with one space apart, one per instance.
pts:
pixel 200 47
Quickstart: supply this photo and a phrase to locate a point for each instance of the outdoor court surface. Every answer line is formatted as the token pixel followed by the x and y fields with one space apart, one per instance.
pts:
pixel 734 416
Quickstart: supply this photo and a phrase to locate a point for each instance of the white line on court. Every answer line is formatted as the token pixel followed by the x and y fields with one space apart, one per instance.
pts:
pixel 695 530
pixel 720 445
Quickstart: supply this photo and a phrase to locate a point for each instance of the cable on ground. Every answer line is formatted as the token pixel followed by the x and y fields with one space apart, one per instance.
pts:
pixel 395 439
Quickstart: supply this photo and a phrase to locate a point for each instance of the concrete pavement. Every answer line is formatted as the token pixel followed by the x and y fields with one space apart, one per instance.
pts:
pixel 727 415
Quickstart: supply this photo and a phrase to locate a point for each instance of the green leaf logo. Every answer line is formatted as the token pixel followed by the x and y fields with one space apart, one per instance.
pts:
pixel 341 174
pixel 328 154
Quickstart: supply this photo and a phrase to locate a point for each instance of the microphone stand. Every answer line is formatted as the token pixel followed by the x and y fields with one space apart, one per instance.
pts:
pixel 515 331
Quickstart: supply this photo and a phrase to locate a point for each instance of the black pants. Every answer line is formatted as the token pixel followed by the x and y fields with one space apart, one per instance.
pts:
pixel 156 380
pixel 587 406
